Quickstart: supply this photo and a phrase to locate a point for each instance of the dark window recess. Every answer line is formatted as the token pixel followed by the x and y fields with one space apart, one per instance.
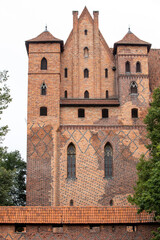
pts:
pixel 106 73
pixel 71 202
pixel 86 52
pixel 111 202
pixel 71 161
pixel 81 113
pixel 128 70
pixel 20 228
pixel 86 94
pixel 134 87
pixel 134 113
pixel 65 72
pixel 107 94
pixel 131 228
pixel 86 73
pixel 138 67
pixel 104 113
pixel 57 228
pixel 85 31
pixel 43 89
pixel 43 111
pixel 44 64
pixel 108 159
pixel 65 94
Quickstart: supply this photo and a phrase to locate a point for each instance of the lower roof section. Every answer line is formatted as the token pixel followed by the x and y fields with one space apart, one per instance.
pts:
pixel 89 102
pixel 72 215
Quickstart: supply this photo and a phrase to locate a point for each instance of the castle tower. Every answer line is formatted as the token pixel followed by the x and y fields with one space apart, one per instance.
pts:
pixel 43 116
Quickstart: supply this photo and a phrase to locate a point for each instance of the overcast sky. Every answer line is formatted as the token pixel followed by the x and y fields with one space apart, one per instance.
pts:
pixel 21 20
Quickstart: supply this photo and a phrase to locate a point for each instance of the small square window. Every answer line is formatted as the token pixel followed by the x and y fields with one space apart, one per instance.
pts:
pixel 131 228
pixel 19 228
pixel 104 113
pixel 81 113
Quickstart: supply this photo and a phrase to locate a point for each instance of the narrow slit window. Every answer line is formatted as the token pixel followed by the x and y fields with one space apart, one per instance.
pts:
pixel 71 161
pixel 107 94
pixel 108 160
pixel 106 73
pixel 44 64
pixel 71 202
pixel 65 94
pixel 134 113
pixel 86 94
pixel 85 32
pixel 43 111
pixel 43 89
pixel 65 72
pixel 86 73
pixel 81 113
pixel 138 67
pixel 128 70
pixel 105 113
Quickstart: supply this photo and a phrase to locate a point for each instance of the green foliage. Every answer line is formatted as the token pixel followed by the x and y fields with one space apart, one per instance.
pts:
pixel 12 167
pixel 147 189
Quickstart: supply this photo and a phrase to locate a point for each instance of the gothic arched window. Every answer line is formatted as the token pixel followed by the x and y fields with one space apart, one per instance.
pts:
pixel 86 94
pixel 133 87
pixel 86 52
pixel 44 64
pixel 86 73
pixel 43 89
pixel 128 70
pixel 43 111
pixel 138 67
pixel 71 161
pixel 108 160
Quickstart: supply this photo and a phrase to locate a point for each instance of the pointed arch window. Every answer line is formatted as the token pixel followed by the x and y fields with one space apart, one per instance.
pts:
pixel 71 161
pixel 86 73
pixel 65 94
pixel 86 94
pixel 44 64
pixel 128 69
pixel 138 67
pixel 43 89
pixel 43 111
pixel 133 87
pixel 108 160
pixel 86 52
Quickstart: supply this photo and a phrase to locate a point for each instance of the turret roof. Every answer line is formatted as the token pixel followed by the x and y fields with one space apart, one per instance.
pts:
pixel 131 39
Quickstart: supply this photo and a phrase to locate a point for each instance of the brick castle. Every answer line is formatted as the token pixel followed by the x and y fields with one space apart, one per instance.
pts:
pixel 86 105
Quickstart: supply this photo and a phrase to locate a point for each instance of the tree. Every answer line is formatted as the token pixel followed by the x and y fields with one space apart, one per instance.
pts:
pixel 12 167
pixel 147 189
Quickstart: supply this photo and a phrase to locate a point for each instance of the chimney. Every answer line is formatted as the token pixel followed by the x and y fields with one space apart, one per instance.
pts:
pixel 95 14
pixel 75 20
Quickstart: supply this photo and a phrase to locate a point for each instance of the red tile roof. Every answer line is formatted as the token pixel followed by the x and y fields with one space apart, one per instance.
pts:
pixel 72 215
pixel 131 39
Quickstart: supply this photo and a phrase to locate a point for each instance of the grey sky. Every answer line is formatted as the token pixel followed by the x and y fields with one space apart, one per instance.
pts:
pixel 21 20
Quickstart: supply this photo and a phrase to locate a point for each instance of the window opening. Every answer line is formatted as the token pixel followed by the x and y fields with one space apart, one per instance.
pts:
pixel 65 94
pixel 106 73
pixel 43 111
pixel 44 64
pixel 85 31
pixel 71 202
pixel 86 52
pixel 104 113
pixel 133 87
pixel 108 158
pixel 128 67
pixel 86 94
pixel 138 67
pixel 65 72
pixel 134 113
pixel 81 113
pixel 86 73
pixel 71 161
pixel 43 89
pixel 107 94
pixel 20 228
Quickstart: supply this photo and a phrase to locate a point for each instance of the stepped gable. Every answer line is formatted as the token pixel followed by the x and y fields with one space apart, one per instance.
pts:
pixel 44 37
pixel 132 40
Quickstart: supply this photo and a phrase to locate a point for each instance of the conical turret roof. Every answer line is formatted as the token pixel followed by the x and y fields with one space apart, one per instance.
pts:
pixel 44 37
pixel 132 40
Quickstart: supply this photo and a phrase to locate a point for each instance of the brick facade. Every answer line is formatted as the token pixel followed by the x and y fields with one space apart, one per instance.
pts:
pixel 49 136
